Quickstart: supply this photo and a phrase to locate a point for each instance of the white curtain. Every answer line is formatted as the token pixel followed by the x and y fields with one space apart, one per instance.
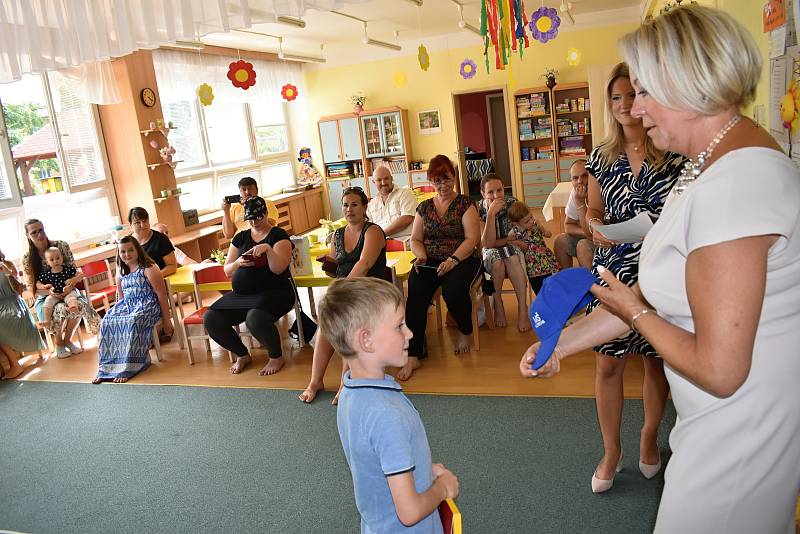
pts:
pixel 41 35
pixel 93 82
pixel 180 73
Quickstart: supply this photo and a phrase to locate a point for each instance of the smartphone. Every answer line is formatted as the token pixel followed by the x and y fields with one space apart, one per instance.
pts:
pixel 249 258
pixel 233 199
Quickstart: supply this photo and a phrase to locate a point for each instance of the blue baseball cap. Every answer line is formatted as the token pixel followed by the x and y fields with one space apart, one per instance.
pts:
pixel 562 295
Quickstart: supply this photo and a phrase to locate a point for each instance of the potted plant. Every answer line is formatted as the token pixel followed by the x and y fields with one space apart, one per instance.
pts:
pixel 358 102
pixel 550 77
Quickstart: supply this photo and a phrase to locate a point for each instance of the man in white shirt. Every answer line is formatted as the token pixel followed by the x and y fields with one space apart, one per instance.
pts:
pixel 574 243
pixel 393 208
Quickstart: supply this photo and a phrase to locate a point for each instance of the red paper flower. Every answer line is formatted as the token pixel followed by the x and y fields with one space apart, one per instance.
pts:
pixel 289 92
pixel 241 74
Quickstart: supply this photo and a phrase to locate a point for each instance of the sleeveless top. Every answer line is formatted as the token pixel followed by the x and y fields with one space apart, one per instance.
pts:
pixel 443 235
pixel 347 260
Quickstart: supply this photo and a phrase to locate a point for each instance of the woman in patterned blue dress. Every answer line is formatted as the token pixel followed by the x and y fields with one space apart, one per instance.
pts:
pixel 126 331
pixel 628 176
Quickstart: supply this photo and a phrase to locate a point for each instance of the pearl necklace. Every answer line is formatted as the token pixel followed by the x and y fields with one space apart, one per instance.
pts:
pixel 692 170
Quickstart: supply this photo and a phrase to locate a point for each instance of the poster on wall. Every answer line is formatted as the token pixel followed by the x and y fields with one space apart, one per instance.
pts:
pixel 429 122
pixel 774 15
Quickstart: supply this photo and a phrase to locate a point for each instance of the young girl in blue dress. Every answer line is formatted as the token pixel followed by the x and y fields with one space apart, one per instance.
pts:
pixel 126 331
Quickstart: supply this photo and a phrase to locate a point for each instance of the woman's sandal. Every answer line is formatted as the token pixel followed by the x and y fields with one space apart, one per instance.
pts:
pixel 164 338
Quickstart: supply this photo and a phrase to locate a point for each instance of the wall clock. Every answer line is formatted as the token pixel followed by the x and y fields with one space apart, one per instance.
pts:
pixel 148 97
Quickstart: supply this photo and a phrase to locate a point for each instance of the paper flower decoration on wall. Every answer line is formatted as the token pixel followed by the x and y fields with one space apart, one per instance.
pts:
pixel 400 78
pixel 544 24
pixel 289 92
pixel 206 94
pixel 241 74
pixel 573 57
pixel 790 108
pixel 468 69
pixel 423 58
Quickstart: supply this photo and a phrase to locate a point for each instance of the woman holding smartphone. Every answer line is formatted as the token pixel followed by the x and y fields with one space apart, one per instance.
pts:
pixel 258 264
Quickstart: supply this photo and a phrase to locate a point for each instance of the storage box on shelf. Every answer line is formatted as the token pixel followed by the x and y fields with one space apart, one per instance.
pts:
pixel 553 130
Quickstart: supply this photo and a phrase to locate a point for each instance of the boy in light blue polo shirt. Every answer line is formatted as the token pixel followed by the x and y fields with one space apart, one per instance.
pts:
pixel 397 488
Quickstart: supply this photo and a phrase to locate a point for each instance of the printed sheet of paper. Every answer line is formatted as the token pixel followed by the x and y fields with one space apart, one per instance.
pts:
pixel 630 231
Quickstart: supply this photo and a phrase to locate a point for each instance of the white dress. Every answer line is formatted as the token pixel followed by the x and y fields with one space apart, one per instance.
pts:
pixel 736 460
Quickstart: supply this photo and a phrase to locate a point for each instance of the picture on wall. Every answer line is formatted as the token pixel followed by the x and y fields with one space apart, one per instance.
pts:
pixel 429 122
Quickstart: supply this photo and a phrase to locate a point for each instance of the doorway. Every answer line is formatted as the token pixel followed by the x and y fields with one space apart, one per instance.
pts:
pixel 483 139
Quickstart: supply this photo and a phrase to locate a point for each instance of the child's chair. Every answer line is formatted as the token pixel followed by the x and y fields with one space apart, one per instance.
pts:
pixel 395 245
pixel 204 280
pixel 103 292
pixel 476 294
pixel 425 189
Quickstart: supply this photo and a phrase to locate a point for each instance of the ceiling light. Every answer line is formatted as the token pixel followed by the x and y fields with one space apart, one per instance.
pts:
pixel 467 26
pixel 376 42
pixel 299 57
pixel 292 21
pixel 417 2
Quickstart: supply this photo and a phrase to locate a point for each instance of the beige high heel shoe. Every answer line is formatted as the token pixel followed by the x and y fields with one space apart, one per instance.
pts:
pixel 650 470
pixel 600 485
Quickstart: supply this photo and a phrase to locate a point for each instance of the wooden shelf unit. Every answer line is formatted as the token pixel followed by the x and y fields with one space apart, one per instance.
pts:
pixel 540 174
pixel 172 164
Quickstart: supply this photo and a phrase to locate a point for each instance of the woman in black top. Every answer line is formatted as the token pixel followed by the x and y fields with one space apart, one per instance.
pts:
pixel 258 264
pixel 359 250
pixel 155 244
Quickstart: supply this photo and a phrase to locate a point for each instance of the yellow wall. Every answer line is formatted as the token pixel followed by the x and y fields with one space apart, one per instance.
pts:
pixel 329 89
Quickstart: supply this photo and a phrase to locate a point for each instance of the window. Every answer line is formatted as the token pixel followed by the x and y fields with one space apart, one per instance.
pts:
pixel 51 163
pixel 237 135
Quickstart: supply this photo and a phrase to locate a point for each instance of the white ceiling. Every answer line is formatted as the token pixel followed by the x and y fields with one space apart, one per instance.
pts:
pixel 435 23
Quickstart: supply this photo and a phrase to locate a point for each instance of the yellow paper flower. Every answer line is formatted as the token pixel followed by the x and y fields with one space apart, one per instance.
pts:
pixel 790 108
pixel 400 78
pixel 573 57
pixel 423 58
pixel 206 94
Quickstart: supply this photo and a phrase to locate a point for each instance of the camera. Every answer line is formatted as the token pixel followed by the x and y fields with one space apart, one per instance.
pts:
pixel 233 199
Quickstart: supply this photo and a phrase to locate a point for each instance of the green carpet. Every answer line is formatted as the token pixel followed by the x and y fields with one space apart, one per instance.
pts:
pixel 83 458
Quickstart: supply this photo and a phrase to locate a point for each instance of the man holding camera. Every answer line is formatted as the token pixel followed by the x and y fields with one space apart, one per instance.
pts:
pixel 233 209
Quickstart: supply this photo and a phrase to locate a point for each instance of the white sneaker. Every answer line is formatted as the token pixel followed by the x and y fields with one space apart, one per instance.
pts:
pixel 73 349
pixel 62 352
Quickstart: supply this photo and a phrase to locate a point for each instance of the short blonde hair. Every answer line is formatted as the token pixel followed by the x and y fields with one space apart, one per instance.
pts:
pixel 352 304
pixel 53 251
pixel 518 211
pixel 695 58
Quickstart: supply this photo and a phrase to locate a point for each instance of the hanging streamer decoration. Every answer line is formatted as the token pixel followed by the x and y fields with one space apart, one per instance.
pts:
pixel 503 25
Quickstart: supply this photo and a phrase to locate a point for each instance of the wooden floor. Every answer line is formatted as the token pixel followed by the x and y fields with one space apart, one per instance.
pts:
pixel 490 371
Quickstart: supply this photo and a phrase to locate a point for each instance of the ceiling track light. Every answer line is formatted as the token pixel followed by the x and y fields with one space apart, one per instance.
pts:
pixel 291 21
pixel 299 57
pixel 464 25
pixel 376 42
pixel 418 3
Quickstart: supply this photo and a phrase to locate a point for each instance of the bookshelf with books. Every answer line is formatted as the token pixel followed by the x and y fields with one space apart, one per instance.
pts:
pixel 553 130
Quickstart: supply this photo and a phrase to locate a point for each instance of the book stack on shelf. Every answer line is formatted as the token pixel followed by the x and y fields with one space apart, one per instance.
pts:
pixel 523 107
pixel 339 170
pixel 543 129
pixel 567 127
pixel 545 152
pixel 572 105
pixel 395 165
pixel 539 105
pixel 572 146
pixel 525 153
pixel 525 130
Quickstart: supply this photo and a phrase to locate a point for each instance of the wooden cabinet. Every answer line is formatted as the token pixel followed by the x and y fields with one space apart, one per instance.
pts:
pixel 299 212
pixel 335 190
pixel 340 140
pixel 383 134
pixel 553 130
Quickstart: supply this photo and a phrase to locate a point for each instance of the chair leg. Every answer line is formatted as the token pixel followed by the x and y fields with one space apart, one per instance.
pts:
pixel 311 302
pixel 301 339
pixel 437 302
pixel 231 357
pixel 190 351
pixel 489 313
pixel 156 344
pixel 476 339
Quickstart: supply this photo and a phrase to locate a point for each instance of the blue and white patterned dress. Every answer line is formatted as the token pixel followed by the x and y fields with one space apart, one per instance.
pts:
pixel 126 331
pixel 624 197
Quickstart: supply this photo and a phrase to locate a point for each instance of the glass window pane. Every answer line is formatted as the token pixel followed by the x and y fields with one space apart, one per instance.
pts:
pixel 229 184
pixel 227 130
pixel 186 135
pixel 64 215
pixel 76 125
pixel 270 140
pixel 276 177
pixel 30 134
pixel 14 244
pixel 5 186
pixel 198 194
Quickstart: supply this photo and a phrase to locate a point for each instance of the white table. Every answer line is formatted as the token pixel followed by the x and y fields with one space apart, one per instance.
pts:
pixel 557 199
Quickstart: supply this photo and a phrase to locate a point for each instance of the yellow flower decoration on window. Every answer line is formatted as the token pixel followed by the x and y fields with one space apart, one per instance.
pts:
pixel 206 94
pixel 423 58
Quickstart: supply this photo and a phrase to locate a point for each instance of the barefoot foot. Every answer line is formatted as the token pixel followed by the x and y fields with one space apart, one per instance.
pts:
pixel 499 313
pixel 523 323
pixel 310 393
pixel 241 363
pixel 273 366
pixel 120 380
pixel 96 380
pixel 407 370
pixel 461 344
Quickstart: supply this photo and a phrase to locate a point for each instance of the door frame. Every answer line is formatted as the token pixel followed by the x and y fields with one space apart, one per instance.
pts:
pixel 459 152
